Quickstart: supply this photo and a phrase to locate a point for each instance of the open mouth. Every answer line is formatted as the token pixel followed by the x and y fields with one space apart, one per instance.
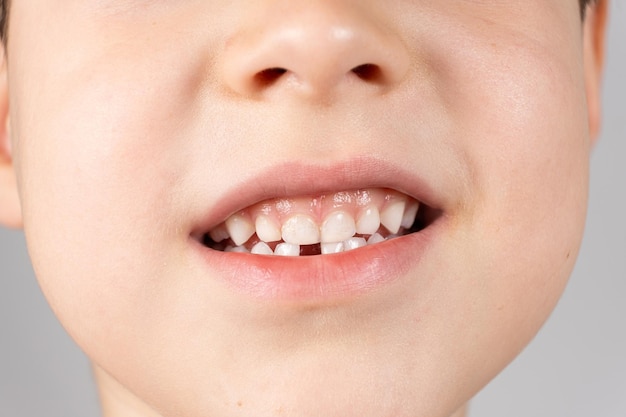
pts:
pixel 321 233
pixel 320 225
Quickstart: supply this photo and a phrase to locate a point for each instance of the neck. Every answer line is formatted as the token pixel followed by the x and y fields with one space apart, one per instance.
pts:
pixel 116 400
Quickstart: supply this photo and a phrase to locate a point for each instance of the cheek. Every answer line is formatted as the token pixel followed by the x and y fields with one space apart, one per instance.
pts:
pixel 104 153
pixel 98 186
pixel 528 149
pixel 532 163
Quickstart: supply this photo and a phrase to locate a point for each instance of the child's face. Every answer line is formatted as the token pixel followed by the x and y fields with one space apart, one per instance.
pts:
pixel 140 126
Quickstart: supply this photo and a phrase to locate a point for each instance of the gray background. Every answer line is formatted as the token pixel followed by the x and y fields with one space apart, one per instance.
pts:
pixel 576 366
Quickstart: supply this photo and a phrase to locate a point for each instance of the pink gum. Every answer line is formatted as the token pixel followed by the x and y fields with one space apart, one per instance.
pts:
pixel 318 208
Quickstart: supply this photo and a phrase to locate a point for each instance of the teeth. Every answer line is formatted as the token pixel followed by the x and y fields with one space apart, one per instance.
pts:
pixel 262 248
pixel 368 221
pixel 239 228
pixel 219 233
pixel 375 238
pixel 287 249
pixel 266 230
pixel 236 249
pixel 301 230
pixel 328 248
pixel 409 215
pixel 354 243
pixel 324 224
pixel 391 216
pixel 337 227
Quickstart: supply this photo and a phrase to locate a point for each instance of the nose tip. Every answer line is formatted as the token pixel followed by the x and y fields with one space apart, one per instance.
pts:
pixel 313 52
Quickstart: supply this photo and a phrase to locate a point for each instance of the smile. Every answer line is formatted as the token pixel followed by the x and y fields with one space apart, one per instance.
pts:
pixel 320 233
pixel 322 225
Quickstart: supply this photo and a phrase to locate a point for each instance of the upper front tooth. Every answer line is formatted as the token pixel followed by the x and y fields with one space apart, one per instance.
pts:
pixel 337 227
pixel 409 215
pixel 240 228
pixel 301 230
pixel 391 216
pixel 368 221
pixel 267 230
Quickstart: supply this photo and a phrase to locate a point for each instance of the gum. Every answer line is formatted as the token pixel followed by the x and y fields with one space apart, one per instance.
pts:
pixel 320 207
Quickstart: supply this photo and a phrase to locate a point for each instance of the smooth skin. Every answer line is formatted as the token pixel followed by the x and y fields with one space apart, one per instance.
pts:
pixel 126 121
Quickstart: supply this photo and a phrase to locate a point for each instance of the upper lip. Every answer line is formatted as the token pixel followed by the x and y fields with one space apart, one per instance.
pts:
pixel 299 179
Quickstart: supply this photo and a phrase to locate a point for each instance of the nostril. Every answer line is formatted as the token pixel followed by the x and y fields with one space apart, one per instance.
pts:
pixel 268 76
pixel 368 72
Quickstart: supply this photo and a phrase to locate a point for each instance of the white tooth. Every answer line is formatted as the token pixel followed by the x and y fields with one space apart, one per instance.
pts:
pixel 262 248
pixel 287 249
pixel 337 227
pixel 409 215
pixel 368 221
pixel 236 249
pixel 354 243
pixel 266 229
pixel 328 248
pixel 239 228
pixel 219 233
pixel 301 230
pixel 375 238
pixel 391 216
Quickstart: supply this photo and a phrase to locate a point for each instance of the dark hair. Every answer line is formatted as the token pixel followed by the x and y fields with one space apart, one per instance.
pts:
pixel 583 6
pixel 4 21
pixel 4 13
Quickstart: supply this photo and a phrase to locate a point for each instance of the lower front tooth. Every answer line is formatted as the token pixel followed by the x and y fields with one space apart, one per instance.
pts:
pixel 236 249
pixel 354 243
pixel 287 249
pixel 375 238
pixel 328 248
pixel 261 248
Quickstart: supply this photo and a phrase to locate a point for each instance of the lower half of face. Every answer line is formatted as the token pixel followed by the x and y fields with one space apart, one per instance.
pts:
pixel 335 208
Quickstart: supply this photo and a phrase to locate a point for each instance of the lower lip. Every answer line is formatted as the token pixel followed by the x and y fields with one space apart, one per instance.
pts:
pixel 322 277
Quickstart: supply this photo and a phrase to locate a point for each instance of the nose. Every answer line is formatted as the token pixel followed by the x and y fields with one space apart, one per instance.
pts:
pixel 313 49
